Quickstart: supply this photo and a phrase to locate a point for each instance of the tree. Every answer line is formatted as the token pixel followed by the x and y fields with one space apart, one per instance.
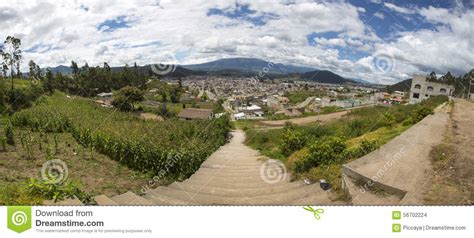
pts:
pixel 433 76
pixel 35 70
pixel 3 64
pixel 74 67
pixel 11 54
pixel 126 97
pixel 48 84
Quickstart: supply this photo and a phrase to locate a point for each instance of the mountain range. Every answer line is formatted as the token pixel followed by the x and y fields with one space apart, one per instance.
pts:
pixel 244 67
pixel 251 65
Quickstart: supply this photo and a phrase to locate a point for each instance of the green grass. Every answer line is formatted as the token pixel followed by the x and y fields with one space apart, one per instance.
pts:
pixel 296 97
pixel 12 194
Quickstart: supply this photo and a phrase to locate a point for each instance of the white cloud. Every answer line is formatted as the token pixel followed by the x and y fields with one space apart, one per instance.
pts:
pixel 398 9
pixel 379 15
pixel 68 31
pixel 331 42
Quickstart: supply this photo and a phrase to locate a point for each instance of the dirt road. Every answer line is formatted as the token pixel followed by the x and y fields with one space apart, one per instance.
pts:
pixel 310 119
pixel 463 128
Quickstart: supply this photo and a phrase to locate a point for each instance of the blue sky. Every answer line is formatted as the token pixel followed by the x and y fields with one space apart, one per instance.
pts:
pixel 375 40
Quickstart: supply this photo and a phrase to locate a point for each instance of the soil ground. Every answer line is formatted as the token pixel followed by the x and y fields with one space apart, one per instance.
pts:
pixel 453 160
pixel 95 173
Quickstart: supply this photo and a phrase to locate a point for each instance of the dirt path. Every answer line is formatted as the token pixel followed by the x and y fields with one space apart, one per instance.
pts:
pixel 309 119
pixel 463 129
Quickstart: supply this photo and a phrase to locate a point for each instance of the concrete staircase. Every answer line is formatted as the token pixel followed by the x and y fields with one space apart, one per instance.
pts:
pixel 233 175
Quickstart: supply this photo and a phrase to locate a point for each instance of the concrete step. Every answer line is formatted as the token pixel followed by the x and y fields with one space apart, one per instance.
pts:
pixel 234 182
pixel 103 200
pixel 364 195
pixel 130 198
pixel 232 174
pixel 246 192
pixel 66 202
pixel 221 165
pixel 237 179
pixel 160 199
pixel 206 199
pixel 231 184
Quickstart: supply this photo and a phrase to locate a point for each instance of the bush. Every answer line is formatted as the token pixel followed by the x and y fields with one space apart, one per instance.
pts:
pixel 126 97
pixel 326 151
pixel 57 191
pixel 295 157
pixel 292 139
pixel 421 113
pixel 388 119
pixel 122 103
pixel 365 147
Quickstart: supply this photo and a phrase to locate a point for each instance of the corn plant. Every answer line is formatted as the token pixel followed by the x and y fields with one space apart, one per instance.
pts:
pixel 3 143
pixel 9 134
pixel 124 137
pixel 28 141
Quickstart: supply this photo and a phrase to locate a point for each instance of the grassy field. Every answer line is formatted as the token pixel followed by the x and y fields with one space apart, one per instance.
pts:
pixel 318 151
pixel 301 95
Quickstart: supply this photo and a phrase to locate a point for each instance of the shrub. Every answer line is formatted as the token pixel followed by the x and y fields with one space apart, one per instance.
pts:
pixel 295 157
pixel 292 139
pixel 122 103
pixel 126 97
pixel 421 113
pixel 365 147
pixel 326 151
pixel 388 119
pixel 57 191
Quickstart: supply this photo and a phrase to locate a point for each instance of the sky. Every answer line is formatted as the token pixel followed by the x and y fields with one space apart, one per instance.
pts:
pixel 374 40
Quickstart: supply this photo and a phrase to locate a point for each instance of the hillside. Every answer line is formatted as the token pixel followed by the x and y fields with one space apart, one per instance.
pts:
pixel 325 76
pixel 403 86
pixel 248 65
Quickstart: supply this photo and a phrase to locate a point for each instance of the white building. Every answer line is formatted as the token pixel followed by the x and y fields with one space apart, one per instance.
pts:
pixel 422 89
